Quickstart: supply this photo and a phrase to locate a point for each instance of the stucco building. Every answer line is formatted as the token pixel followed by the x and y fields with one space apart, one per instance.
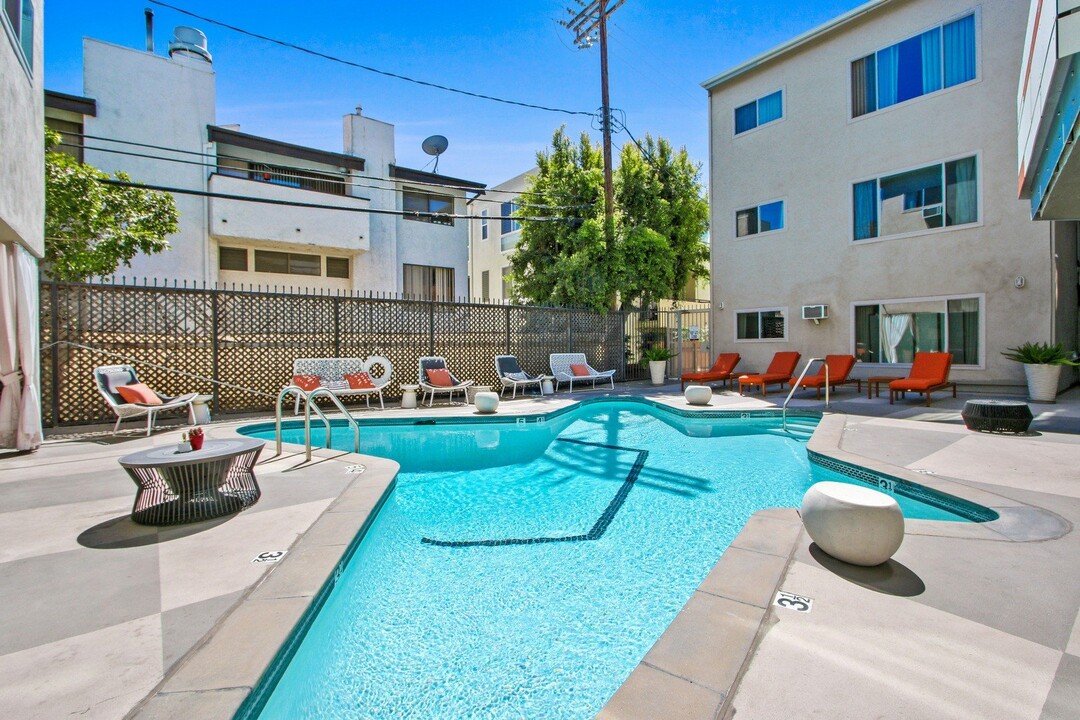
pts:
pixel 493 237
pixel 22 220
pixel 331 221
pixel 864 174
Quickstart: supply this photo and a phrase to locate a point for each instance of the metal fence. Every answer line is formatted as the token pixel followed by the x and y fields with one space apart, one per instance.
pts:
pixel 247 340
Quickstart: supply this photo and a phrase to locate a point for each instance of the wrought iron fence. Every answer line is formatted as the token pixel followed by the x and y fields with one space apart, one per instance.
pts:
pixel 246 340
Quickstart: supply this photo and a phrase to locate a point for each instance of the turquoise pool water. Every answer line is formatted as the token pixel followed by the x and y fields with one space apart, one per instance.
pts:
pixel 522 570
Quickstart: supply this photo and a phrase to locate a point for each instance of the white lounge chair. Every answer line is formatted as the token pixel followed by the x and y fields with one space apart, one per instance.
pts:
pixel 560 368
pixel 436 362
pixel 109 377
pixel 511 375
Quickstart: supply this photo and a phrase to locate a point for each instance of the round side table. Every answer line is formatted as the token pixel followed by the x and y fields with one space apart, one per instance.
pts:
pixel 408 396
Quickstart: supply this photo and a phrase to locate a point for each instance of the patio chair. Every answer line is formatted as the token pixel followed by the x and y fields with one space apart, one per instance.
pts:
pixel 108 378
pixel 929 372
pixel 572 367
pixel 779 372
pixel 721 371
pixel 840 366
pixel 511 375
pixel 427 367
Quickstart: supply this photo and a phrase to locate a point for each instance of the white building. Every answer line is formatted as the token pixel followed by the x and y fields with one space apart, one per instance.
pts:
pixel 22 220
pixel 140 107
pixel 869 166
pixel 492 240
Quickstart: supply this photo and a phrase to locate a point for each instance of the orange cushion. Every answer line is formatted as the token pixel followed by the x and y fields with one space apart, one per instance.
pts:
pixel 307 383
pixel 440 377
pixel 359 381
pixel 138 393
pixel 580 370
pixel 914 384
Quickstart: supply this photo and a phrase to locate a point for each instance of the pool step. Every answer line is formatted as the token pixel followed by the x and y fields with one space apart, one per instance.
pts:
pixel 797 430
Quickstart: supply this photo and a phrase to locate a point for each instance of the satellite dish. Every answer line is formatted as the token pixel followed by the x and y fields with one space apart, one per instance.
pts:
pixel 435 145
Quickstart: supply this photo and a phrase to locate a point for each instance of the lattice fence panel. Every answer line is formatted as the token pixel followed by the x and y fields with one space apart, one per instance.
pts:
pixel 601 338
pixel 399 330
pixel 535 333
pixel 259 336
pixel 469 337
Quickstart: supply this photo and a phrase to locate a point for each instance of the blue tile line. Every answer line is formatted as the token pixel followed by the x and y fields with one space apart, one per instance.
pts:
pixel 595 532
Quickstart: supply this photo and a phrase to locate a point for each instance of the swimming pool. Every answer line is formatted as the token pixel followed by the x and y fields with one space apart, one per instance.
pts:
pixel 522 569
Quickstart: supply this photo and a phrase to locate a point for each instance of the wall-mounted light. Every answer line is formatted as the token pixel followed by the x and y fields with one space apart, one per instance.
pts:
pixel 1019 281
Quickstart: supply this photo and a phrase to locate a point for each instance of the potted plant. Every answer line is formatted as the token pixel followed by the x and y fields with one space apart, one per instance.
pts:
pixel 1042 368
pixel 656 357
pixel 196 438
pixel 184 445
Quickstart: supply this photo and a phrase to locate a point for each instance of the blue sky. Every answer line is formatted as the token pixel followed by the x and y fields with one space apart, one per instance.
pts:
pixel 659 53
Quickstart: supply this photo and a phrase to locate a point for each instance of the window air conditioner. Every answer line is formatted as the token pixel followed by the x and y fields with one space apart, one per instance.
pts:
pixel 931 212
pixel 815 312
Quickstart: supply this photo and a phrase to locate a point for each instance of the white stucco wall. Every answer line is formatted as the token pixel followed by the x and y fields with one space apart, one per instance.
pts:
pixel 487 255
pixel 22 119
pixel 377 270
pixel 148 98
pixel 811 158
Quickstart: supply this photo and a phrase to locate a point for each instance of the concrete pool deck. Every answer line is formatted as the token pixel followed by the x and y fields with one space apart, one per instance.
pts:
pixel 99 610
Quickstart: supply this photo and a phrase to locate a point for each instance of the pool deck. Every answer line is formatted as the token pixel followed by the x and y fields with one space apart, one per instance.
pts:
pixel 104 618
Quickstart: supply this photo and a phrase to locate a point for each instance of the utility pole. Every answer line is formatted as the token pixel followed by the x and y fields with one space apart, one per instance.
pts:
pixel 592 18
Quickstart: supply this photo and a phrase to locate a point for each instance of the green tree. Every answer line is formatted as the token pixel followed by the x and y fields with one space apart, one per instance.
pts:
pixel 92 227
pixel 661 216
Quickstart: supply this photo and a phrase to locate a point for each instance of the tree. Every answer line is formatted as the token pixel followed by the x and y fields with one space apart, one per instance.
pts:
pixel 92 227
pixel 661 216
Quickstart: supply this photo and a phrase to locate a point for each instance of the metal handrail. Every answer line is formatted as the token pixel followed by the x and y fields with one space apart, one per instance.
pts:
pixel 309 397
pixel 795 387
pixel 296 389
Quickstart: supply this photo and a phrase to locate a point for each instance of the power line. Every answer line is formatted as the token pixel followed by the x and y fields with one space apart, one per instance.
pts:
pixel 327 179
pixel 214 156
pixel 368 68
pixel 415 214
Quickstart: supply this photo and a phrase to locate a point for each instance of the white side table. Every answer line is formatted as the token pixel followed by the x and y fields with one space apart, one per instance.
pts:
pixel 408 396
pixel 199 409
pixel 546 388
pixel 471 392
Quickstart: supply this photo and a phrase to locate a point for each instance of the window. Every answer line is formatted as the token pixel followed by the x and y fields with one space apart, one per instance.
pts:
pixel 509 225
pixel 71 140
pixel 337 267
pixel 287 263
pixel 20 24
pixel 230 258
pixel 425 282
pixel 761 111
pixel 419 202
pixel 760 325
pixel 760 219
pixel 485 285
pixel 892 332
pixel 941 195
pixel 936 59
pixel 483 225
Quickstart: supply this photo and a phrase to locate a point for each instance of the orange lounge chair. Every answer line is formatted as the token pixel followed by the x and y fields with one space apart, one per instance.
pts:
pixel 719 372
pixel 779 372
pixel 929 372
pixel 840 367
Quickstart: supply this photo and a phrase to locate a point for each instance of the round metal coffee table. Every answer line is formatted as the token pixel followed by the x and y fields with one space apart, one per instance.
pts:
pixel 175 487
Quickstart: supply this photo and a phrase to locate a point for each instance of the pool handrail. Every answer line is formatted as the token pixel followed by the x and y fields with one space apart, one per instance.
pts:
pixel 308 404
pixel 795 387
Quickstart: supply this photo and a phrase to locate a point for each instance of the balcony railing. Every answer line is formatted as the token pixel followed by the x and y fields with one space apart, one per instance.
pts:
pixel 288 177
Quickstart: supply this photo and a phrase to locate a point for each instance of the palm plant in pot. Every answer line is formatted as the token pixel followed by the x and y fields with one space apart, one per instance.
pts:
pixel 1042 368
pixel 656 358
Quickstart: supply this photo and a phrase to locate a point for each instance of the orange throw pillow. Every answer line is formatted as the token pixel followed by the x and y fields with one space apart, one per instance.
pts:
pixel 307 383
pixel 580 370
pixel 138 393
pixel 440 378
pixel 359 381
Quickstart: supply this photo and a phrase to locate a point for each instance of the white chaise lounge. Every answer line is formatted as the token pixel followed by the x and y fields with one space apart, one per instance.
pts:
pixel 332 371
pixel 561 368
pixel 108 378
pixel 511 375
pixel 429 388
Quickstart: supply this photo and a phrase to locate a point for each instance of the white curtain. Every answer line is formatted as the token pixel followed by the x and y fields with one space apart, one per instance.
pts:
pixel 20 403
pixel 893 328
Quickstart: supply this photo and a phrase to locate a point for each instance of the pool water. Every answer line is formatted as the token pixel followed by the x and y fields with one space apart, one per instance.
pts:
pixel 522 571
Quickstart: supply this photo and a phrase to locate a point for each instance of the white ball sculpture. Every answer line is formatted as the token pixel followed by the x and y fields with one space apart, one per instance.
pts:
pixel 698 394
pixel 486 402
pixel 855 524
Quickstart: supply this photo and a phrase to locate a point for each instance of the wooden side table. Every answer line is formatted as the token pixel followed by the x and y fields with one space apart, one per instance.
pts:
pixel 175 487
pixel 874 383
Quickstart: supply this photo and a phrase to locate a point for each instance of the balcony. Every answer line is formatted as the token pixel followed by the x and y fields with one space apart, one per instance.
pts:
pixel 311 227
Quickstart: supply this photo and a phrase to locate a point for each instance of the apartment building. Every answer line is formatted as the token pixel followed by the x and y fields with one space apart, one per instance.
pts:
pixel 22 221
pixel 261 212
pixel 493 237
pixel 863 196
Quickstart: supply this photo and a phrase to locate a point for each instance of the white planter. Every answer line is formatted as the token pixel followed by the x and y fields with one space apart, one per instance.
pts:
pixel 855 524
pixel 1042 382
pixel 486 402
pixel 657 368
pixel 698 394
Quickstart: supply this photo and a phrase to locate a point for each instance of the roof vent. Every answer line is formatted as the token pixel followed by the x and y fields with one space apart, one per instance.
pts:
pixel 189 42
